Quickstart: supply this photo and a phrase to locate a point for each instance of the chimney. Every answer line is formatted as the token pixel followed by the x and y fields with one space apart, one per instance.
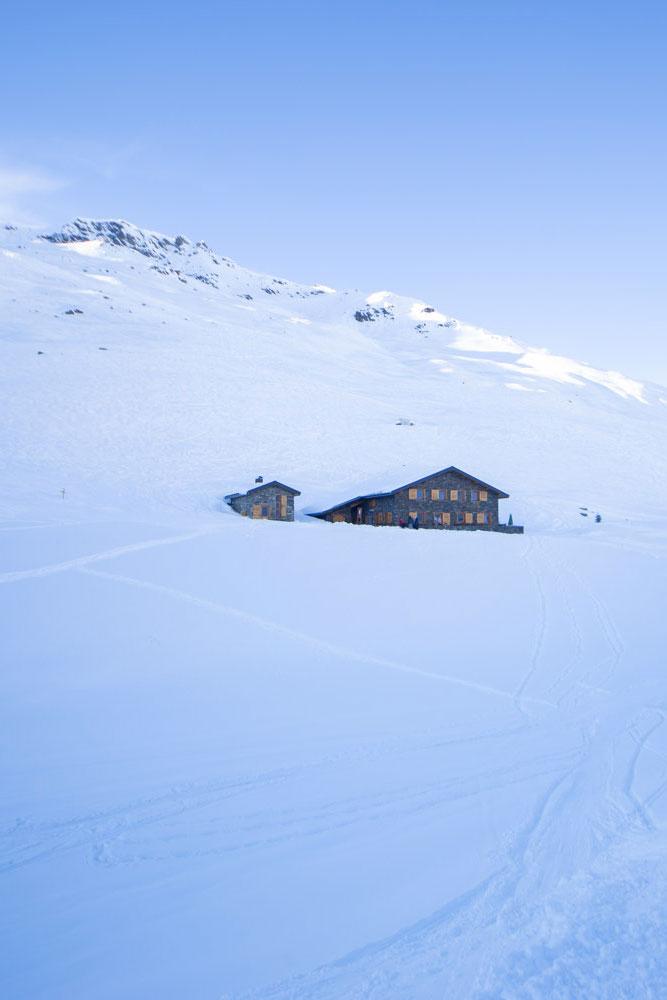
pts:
pixel 260 479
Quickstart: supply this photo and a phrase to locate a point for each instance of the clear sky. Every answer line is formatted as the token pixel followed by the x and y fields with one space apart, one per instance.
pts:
pixel 503 160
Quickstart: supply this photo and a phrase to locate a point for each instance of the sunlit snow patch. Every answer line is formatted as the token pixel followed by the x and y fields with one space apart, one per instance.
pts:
pixel 379 298
pixel 87 248
pixel 325 288
pixel 106 278
pixel 299 319
pixel 542 364
pixel 521 388
pixel 444 366
pixel 427 314
pixel 474 338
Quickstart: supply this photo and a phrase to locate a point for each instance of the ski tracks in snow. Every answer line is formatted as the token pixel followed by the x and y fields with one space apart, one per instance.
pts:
pixel 82 561
pixel 590 807
pixel 315 642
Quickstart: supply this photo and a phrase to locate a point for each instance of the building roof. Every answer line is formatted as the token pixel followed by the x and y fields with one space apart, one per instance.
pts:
pixel 453 468
pixel 415 482
pixel 264 486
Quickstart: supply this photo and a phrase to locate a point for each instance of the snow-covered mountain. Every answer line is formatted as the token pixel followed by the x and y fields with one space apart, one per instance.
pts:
pixel 310 761
pixel 155 366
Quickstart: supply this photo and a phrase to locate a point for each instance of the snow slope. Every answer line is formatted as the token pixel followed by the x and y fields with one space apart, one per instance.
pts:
pixel 314 761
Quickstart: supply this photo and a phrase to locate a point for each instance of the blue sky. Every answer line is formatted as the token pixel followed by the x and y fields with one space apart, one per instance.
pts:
pixel 503 160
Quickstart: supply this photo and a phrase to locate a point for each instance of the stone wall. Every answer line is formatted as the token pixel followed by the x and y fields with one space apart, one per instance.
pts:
pixel 400 505
pixel 268 499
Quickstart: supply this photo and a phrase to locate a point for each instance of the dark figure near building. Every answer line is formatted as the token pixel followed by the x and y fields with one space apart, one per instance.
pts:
pixel 269 502
pixel 450 499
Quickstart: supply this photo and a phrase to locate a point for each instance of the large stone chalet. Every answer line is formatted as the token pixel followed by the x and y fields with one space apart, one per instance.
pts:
pixel 447 499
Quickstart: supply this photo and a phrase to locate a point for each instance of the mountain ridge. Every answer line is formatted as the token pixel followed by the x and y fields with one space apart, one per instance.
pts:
pixel 213 373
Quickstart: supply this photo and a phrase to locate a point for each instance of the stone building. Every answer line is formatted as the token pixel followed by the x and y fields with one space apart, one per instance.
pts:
pixel 268 501
pixel 449 499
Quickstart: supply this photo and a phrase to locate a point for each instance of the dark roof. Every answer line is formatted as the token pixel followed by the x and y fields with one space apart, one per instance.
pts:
pixel 415 482
pixel 349 503
pixel 266 486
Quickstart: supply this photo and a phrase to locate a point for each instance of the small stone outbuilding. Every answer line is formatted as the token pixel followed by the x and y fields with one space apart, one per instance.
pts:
pixel 449 499
pixel 268 502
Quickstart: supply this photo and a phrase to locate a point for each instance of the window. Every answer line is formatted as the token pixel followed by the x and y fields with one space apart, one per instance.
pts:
pixel 483 495
pixel 446 518
pixel 468 517
pixel 459 517
pixel 453 494
pixel 435 495
pixel 474 496
pixel 412 494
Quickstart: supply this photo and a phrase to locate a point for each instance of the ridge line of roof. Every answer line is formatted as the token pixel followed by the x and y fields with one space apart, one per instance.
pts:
pixel 414 482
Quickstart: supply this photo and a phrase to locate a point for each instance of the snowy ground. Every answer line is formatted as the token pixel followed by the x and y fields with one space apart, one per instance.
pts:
pixel 250 760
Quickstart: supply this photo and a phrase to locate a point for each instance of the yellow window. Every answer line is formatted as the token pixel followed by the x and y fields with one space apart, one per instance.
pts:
pixel 446 517
pixel 454 494
pixel 468 517
pixel 480 518
pixel 412 494
pixel 435 494
pixel 483 495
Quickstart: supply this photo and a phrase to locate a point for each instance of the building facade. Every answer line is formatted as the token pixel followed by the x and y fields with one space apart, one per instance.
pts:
pixel 268 502
pixel 449 499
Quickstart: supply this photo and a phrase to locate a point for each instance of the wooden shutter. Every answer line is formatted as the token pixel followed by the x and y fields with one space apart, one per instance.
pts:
pixel 446 518
pixel 454 495
pixel 256 510
pixel 283 505
pixel 483 494
pixel 481 518
pixel 412 494
pixel 435 494
pixel 468 517
pixel 388 517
